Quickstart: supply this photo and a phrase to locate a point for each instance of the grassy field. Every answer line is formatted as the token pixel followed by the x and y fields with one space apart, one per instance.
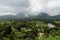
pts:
pixel 28 30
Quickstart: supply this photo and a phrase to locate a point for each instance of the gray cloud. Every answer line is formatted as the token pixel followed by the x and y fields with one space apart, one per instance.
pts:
pixel 31 7
pixel 12 6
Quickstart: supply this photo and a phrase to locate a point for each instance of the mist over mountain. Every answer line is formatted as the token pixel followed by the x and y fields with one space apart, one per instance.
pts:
pixel 21 16
pixel 29 9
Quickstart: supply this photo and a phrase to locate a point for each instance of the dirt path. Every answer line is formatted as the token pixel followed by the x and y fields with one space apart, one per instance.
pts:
pixel 50 25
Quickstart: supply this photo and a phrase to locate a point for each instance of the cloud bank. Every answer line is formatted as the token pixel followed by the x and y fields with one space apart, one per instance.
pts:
pixel 31 7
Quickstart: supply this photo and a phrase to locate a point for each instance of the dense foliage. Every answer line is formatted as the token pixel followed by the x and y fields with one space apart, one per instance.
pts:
pixel 57 23
pixel 27 30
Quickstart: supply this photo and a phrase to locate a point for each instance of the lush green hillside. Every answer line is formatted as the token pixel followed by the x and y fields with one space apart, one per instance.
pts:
pixel 29 30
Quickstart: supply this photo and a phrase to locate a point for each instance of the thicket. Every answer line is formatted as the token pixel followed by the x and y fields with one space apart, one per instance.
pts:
pixel 30 30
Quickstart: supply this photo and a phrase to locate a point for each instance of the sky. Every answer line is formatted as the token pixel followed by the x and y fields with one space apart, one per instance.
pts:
pixel 29 7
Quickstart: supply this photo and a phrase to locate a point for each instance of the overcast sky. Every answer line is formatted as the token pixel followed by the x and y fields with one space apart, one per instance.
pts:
pixel 31 7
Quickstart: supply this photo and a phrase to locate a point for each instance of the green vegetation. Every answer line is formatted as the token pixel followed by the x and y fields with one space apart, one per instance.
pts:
pixel 57 23
pixel 28 30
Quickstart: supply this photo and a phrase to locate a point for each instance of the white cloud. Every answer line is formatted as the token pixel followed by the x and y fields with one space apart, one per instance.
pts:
pixel 35 7
pixel 53 4
pixel 32 7
pixel 48 6
pixel 53 7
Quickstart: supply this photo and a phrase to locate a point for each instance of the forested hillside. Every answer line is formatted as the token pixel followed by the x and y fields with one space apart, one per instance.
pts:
pixel 28 30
